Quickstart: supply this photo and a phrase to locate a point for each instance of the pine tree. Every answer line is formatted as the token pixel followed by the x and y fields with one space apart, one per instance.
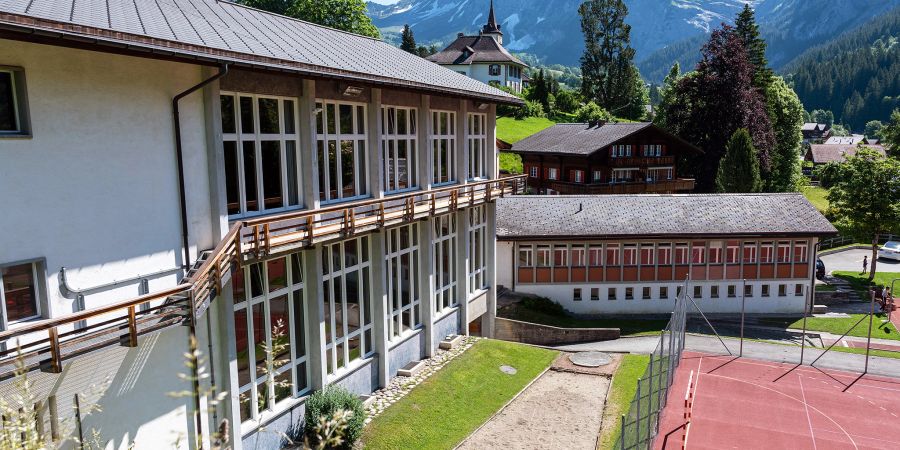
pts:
pixel 745 26
pixel 407 41
pixel 739 169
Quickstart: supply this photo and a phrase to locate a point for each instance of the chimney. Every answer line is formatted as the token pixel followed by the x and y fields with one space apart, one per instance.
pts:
pixel 580 208
pixel 592 123
pixel 459 35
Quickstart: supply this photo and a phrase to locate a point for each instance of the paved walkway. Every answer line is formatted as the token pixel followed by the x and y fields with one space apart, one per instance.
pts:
pixel 560 410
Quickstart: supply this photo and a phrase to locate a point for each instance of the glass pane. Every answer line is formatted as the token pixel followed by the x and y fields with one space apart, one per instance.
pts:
pixel 301 377
pixel 327 308
pixel 256 280
pixel 368 342
pixel 262 397
pixel 323 181
pixel 353 347
pixel 330 119
pixel 401 122
pixel 250 176
pixel 280 321
pixel 364 246
pixel 361 166
pixel 347 169
pixel 228 117
pixel 290 126
pixel 290 153
pixel 412 121
pixel 299 325
pixel 351 253
pixel 354 316
pixel 268 116
pixel 283 386
pixel 332 170
pixel 277 271
pixel 360 120
pixel 245 406
pixel 346 112
pixel 271 174
pixel 296 268
pixel 237 285
pixel 339 313
pixel 8 121
pixel 232 183
pixel 366 304
pixel 246 106
pixel 258 320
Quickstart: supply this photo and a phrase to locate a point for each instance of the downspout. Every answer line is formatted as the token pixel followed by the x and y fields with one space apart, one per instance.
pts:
pixel 179 154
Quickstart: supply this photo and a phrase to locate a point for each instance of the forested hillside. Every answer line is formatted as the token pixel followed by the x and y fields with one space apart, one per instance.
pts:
pixel 857 75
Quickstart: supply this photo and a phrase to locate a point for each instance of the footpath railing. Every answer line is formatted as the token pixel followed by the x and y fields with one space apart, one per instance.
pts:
pixel 838 241
pixel 47 344
pixel 640 424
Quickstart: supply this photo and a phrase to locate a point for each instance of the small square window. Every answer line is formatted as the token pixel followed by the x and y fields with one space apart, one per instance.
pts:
pixel 732 291
pixel 595 294
pixel 576 294
pixel 748 290
pixel 19 285
pixel 765 290
pixel 663 292
pixel 698 291
pixel 629 293
pixel 782 290
pixel 714 291
pixel 798 290
pixel 612 294
pixel 645 294
pixel 13 104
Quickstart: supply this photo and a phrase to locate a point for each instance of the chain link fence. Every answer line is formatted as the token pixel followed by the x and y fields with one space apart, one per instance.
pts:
pixel 839 241
pixel 641 423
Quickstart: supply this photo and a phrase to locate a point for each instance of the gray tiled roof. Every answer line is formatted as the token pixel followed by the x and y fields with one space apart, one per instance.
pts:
pixel 602 216
pixel 224 32
pixel 474 49
pixel 826 153
pixel 577 138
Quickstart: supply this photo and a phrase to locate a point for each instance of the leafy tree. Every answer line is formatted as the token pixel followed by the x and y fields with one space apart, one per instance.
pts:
pixel 786 113
pixel 708 106
pixel 609 76
pixel 822 116
pixel 347 15
pixel 425 52
pixel 408 41
pixel 739 169
pixel 865 197
pixel 890 134
pixel 530 109
pixel 540 91
pixel 667 94
pixel 839 130
pixel 745 26
pixel 567 100
pixel 591 112
pixel 873 129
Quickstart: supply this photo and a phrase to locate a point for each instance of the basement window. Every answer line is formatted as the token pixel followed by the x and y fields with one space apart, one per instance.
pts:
pixel 19 292
pixel 13 106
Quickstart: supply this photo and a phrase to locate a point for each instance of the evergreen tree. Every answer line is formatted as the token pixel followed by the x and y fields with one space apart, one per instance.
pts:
pixel 407 41
pixel 609 76
pixel 739 169
pixel 890 134
pixel 745 26
pixel 540 90
pixel 347 15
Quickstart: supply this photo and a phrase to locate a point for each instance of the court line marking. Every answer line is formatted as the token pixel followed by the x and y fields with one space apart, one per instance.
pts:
pixel 812 434
pixel 870 438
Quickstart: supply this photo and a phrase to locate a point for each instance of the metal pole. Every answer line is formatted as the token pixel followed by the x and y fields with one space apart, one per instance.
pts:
pixel 891 310
pixel 637 423
pixel 707 322
pixel 869 338
pixel 811 298
pixel 622 434
pixel 650 400
pixel 743 309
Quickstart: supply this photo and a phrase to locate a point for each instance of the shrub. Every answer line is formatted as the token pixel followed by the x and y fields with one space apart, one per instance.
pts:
pixel 590 112
pixel 531 109
pixel 567 101
pixel 544 305
pixel 324 404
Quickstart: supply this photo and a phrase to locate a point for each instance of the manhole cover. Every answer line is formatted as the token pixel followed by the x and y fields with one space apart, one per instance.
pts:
pixel 590 359
pixel 509 370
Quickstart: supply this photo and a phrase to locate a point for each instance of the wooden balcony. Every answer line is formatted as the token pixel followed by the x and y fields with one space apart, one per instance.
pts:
pixel 648 161
pixel 48 344
pixel 658 187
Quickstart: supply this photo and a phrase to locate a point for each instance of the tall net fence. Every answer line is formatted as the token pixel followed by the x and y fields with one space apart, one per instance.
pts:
pixel 641 423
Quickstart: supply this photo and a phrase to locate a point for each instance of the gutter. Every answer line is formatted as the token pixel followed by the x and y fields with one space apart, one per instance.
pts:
pixel 179 154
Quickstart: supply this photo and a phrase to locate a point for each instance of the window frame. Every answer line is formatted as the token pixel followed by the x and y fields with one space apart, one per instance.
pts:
pixel 533 171
pixel 478 146
pixel 477 246
pixel 390 148
pixel 436 139
pixel 39 278
pixel 576 295
pixel 361 181
pixel 21 112
pixel 445 291
pixel 394 253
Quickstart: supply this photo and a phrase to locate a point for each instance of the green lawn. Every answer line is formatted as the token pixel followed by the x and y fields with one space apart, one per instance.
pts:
pixel 510 162
pixel 862 351
pixel 840 325
pixel 861 283
pixel 816 196
pixel 628 327
pixel 452 403
pixel 624 386
pixel 514 130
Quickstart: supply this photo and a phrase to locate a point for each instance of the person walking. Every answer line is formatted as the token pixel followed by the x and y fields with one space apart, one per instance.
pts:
pixel 865 264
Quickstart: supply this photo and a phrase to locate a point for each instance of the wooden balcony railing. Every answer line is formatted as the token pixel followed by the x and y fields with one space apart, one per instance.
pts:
pixel 646 161
pixel 47 344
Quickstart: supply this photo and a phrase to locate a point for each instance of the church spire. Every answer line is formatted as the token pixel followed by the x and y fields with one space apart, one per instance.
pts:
pixel 491 28
pixel 492 23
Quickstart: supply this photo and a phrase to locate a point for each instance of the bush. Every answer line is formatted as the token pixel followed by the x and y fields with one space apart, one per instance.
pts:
pixel 325 403
pixel 507 110
pixel 544 305
pixel 531 109
pixel 567 101
pixel 591 112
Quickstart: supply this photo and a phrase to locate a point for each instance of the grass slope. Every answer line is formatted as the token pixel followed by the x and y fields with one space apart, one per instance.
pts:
pixel 622 391
pixel 861 283
pixel 449 405
pixel 514 130
pixel 628 327
pixel 817 196
pixel 840 325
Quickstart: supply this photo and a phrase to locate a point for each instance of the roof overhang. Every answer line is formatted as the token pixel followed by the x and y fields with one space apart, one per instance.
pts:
pixel 650 126
pixel 43 31
pixel 645 236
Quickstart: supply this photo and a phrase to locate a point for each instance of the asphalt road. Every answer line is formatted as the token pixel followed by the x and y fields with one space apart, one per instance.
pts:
pixel 852 260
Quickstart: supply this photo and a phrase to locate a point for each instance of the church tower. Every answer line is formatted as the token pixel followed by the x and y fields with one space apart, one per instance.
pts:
pixel 491 28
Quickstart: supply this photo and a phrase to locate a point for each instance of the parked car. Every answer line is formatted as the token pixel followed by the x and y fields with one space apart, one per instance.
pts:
pixel 820 269
pixel 890 250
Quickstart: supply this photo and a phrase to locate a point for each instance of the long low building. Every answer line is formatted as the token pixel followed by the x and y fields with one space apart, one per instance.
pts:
pixel 630 254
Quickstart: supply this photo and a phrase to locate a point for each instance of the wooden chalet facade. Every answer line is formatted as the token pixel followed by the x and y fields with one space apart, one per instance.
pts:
pixel 603 158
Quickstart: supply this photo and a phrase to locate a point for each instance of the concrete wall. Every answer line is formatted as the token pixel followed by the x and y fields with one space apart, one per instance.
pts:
pixel 405 351
pixel 505 264
pixel 536 334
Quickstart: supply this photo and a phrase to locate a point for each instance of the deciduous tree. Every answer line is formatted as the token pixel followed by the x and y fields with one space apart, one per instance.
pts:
pixel 347 15
pixel 890 134
pixel 786 113
pixel 739 169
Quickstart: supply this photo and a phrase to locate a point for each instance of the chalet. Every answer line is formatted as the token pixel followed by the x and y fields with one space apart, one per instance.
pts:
pixel 815 132
pixel 196 171
pixel 619 254
pixel 854 139
pixel 483 57
pixel 603 158
pixel 820 154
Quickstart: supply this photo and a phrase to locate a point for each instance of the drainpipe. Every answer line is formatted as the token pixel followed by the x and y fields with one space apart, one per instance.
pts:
pixel 180 159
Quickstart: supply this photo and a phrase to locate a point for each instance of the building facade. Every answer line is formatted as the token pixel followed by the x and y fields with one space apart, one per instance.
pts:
pixel 601 255
pixel 483 57
pixel 212 174
pixel 603 158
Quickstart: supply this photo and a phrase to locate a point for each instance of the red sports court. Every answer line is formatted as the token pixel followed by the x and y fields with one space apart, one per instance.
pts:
pixel 751 404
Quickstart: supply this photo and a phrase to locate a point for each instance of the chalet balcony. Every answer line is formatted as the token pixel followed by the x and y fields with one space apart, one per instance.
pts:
pixel 657 187
pixel 648 161
pixel 48 344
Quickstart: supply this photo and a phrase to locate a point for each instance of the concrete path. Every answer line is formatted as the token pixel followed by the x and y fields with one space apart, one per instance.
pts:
pixel 559 410
pixel 752 349
pixel 851 260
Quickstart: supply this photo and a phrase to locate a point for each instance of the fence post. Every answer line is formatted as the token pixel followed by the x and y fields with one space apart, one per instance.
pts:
pixel 637 423
pixel 622 434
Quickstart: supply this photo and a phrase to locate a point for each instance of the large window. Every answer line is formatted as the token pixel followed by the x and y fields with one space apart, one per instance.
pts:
pixel 262 171
pixel 404 301
pixel 478 148
pixel 341 150
pixel 443 146
pixel 346 287
pixel 399 147
pixel 19 293
pixel 444 245
pixel 526 256
pixel 13 113
pixel 477 249
pixel 270 333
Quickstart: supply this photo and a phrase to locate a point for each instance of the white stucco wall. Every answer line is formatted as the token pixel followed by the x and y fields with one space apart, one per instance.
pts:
pixel 481 72
pixel 505 264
